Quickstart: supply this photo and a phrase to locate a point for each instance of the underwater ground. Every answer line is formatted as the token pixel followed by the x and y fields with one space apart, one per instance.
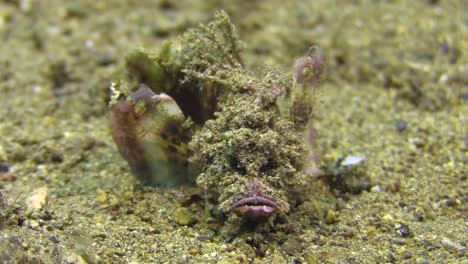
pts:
pixel 395 92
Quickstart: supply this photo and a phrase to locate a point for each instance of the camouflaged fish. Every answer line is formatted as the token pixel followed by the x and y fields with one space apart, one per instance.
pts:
pixel 191 112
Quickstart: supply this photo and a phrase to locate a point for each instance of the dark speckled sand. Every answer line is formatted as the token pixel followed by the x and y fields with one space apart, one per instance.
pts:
pixel 396 92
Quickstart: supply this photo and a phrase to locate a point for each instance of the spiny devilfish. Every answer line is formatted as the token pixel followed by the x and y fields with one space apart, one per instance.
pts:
pixel 191 111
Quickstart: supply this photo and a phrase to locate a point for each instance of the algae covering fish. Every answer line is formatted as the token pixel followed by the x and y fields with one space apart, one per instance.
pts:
pixel 191 112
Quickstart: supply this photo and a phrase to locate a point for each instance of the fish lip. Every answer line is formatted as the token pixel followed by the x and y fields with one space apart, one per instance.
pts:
pixel 255 207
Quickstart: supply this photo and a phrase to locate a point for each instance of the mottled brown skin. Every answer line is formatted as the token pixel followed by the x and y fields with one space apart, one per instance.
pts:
pixel 252 141
pixel 151 139
pixel 307 70
pixel 123 124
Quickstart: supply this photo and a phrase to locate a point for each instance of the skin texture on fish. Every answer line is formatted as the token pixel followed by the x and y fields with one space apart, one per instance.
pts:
pixel 247 138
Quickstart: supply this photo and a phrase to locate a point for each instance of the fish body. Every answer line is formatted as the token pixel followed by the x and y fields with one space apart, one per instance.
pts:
pixel 192 112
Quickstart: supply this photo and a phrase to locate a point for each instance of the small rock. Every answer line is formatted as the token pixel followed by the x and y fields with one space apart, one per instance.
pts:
pixel 406 254
pixel 159 30
pixel 331 217
pixel 418 216
pixel 101 196
pixel 73 258
pixel 452 202
pixel 376 188
pixel 183 216
pixel 105 59
pixel 348 232
pixel 194 251
pixel 418 142
pixel 4 167
pixel 393 186
pixel 401 125
pixel 34 225
pixel 13 220
pixel 351 161
pixel 204 238
pixel 453 246
pixel 54 239
pixel 297 261
pixel 387 217
pixel 292 246
pixel 56 157
pixel 9 177
pixel 399 241
pixel 403 230
pixel 100 235
pixel 464 97
pixel 37 199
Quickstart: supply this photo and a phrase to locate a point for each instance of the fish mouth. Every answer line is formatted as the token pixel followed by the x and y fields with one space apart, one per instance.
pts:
pixel 255 207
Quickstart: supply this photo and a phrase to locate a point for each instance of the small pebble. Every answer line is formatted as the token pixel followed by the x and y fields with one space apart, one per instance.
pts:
pixel 400 125
pixel 33 225
pixel 454 246
pixel 9 177
pixel 183 216
pixel 105 59
pixel 54 239
pixel 101 196
pixel 4 167
pixel 348 232
pixel 452 202
pixel 292 246
pixel 444 47
pixel 406 254
pixel 464 97
pixel 418 216
pixel 56 157
pixel 403 230
pixel 204 238
pixel 351 161
pixel 160 31
pixel 331 217
pixel 37 199
pixel 194 251
pixel 418 142
pixel 387 217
